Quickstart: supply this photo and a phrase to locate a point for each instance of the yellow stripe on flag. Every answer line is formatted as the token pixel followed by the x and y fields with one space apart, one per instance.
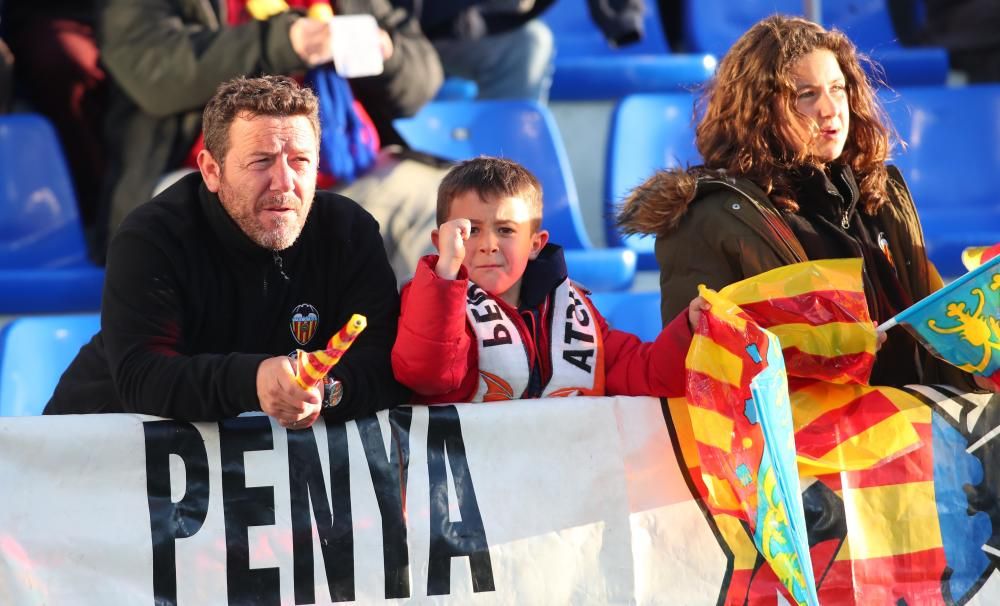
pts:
pixel 685 433
pixel 873 516
pixel 720 493
pixel 831 339
pixel 909 406
pixel 709 358
pixel 736 538
pixel 792 281
pixel 890 437
pixel 723 309
pixel 712 428
pixel 818 398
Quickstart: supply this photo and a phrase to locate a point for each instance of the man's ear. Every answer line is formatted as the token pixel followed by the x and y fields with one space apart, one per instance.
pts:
pixel 211 171
pixel 435 238
pixel 538 241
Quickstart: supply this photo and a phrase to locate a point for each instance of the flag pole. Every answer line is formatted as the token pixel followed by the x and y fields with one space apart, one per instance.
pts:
pixel 884 326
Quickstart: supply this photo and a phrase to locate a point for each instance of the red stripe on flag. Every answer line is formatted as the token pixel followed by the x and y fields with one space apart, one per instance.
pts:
pixel 838 369
pixel 914 466
pixel 815 307
pixel 715 395
pixel 836 426
pixel 913 577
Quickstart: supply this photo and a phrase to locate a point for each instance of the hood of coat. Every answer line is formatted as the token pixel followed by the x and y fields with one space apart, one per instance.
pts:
pixel 656 206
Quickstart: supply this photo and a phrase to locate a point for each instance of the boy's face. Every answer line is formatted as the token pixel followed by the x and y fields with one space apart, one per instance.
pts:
pixel 500 244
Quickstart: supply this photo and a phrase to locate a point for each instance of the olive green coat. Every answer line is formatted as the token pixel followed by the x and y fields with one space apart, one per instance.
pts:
pixel 715 229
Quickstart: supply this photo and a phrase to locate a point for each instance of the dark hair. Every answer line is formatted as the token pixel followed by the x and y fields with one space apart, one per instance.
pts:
pixel 490 178
pixel 751 99
pixel 264 96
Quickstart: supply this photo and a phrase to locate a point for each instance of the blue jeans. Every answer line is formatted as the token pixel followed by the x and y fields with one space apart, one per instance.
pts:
pixel 516 64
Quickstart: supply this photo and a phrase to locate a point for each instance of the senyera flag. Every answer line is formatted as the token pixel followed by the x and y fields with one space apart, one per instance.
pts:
pixel 819 313
pixel 741 416
pixel 961 322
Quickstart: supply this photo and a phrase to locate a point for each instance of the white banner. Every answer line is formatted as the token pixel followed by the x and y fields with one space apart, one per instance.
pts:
pixel 562 501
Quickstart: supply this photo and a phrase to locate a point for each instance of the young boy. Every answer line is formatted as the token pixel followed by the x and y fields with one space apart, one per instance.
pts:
pixel 494 316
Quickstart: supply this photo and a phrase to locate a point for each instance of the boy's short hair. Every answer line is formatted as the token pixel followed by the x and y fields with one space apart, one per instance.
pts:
pixel 490 178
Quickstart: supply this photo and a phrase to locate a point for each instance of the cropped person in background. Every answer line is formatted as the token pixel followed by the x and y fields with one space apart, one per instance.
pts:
pixel 213 283
pixel 59 75
pixel 970 30
pixel 166 58
pixel 795 145
pixel 504 46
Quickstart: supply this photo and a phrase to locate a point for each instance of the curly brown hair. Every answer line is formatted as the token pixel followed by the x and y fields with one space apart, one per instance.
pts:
pixel 751 99
pixel 263 96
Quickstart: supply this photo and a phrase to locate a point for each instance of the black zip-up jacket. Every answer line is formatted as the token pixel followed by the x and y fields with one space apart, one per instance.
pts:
pixel 192 306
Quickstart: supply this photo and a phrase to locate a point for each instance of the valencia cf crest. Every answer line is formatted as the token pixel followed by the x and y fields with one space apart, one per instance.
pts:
pixel 305 319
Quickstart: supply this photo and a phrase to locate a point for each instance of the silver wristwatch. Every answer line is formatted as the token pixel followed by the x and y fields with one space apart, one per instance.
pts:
pixel 333 391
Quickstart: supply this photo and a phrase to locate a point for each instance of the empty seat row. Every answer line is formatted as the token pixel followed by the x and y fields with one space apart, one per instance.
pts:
pixel 586 67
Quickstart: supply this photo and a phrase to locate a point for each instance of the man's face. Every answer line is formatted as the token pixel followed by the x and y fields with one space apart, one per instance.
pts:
pixel 268 178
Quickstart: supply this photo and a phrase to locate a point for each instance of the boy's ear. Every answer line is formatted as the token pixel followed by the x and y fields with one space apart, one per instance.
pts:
pixel 538 241
pixel 435 239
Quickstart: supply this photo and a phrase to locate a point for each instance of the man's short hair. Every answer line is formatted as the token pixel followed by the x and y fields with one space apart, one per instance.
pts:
pixel 490 178
pixel 263 96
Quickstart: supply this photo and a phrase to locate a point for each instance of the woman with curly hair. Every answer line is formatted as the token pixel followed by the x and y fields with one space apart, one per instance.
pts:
pixel 795 145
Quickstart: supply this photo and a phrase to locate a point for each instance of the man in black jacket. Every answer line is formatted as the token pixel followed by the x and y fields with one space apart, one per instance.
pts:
pixel 212 284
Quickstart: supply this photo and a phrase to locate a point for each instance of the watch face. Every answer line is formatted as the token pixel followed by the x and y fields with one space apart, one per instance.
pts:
pixel 333 390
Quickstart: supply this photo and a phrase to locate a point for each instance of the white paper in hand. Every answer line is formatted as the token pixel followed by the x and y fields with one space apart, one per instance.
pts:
pixel 357 51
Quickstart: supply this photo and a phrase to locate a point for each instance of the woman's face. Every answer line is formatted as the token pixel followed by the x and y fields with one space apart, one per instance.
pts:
pixel 821 97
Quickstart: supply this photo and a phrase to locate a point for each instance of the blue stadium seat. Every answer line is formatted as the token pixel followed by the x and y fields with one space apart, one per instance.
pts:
pixel 713 25
pixel 457 89
pixel 526 132
pixel 868 24
pixel 43 258
pixel 34 352
pixel 586 67
pixel 951 165
pixel 634 312
pixel 648 132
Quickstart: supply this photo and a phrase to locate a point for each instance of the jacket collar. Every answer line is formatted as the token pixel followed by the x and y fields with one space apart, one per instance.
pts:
pixel 542 275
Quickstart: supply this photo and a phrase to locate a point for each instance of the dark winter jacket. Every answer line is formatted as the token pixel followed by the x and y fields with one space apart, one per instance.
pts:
pixel 192 306
pixel 715 229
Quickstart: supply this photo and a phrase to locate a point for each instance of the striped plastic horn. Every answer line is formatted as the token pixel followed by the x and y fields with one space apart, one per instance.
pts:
pixel 314 366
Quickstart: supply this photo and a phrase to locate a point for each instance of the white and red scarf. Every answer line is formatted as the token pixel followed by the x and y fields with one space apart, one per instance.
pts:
pixel 575 345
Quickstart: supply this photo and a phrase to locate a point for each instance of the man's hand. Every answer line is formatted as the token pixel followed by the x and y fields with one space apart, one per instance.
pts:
pixel 311 41
pixel 695 309
pixel 451 237
pixel 282 398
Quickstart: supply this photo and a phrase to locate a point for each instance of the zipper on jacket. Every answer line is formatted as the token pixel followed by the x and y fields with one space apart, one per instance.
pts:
pixel 845 220
pixel 280 264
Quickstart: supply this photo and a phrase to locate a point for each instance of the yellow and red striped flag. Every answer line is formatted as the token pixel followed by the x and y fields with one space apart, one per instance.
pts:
pixel 870 446
pixel 313 366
